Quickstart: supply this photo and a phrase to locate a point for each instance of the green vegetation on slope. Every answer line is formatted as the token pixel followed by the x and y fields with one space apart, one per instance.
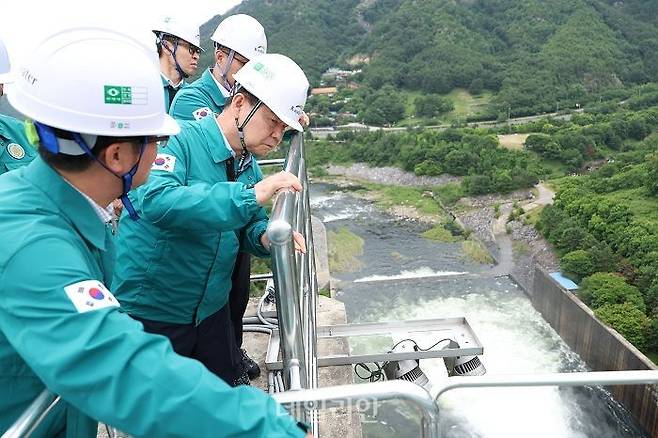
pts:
pixel 344 248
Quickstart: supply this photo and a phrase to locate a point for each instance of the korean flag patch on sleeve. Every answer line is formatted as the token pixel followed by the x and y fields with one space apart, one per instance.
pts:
pixel 90 295
pixel 200 113
pixel 164 162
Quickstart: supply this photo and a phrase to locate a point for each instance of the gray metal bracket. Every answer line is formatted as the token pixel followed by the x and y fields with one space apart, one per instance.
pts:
pixel 458 329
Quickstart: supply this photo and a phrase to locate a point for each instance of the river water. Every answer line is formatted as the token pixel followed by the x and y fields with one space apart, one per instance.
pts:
pixel 402 276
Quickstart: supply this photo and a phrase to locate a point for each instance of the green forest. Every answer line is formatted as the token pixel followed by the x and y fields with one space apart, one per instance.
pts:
pixel 532 56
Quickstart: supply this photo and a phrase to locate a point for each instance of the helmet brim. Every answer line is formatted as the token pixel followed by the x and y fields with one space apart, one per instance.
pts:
pixel 294 124
pixel 158 32
pixel 169 126
pixel 7 78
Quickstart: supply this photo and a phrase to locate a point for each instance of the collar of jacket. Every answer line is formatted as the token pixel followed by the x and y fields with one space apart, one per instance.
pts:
pixel 209 84
pixel 218 148
pixel 166 82
pixel 71 204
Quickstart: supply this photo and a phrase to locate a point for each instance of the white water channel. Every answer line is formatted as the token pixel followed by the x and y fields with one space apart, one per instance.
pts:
pixel 404 277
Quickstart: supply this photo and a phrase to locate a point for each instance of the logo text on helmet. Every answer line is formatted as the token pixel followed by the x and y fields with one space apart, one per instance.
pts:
pixel 263 70
pixel 119 125
pixel 29 77
pixel 297 109
pixel 260 49
pixel 121 95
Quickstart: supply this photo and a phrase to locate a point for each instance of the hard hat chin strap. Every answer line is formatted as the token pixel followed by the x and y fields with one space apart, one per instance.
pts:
pixel 223 75
pixel 240 128
pixel 180 71
pixel 50 142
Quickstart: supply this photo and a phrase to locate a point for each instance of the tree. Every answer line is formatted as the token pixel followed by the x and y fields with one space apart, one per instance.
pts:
pixel 603 258
pixel 429 168
pixel 577 264
pixel 550 218
pixel 574 238
pixel 383 107
pixel 432 105
pixel 502 181
pixel 476 86
pixel 628 320
pixel 477 184
pixel 459 161
pixel 604 288
pixel 652 174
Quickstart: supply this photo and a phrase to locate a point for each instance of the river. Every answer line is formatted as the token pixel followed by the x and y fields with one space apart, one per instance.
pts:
pixel 402 276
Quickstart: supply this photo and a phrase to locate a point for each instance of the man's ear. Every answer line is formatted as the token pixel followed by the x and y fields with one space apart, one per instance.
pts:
pixel 238 101
pixel 118 157
pixel 219 56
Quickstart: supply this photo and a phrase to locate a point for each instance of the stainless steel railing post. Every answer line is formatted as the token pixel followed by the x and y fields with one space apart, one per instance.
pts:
pixel 33 415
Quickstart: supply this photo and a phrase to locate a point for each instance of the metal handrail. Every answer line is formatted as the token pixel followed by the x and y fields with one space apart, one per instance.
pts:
pixel 603 378
pixel 342 396
pixel 294 276
pixel 33 415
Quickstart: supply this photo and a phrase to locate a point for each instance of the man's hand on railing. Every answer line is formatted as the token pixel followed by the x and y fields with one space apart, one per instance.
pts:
pixel 269 186
pixel 304 120
pixel 300 242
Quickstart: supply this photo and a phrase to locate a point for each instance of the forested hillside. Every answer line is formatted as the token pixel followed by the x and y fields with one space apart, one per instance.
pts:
pixel 533 55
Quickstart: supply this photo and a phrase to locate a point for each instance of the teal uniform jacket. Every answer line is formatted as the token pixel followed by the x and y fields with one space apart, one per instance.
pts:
pixel 198 100
pixel 166 85
pixel 15 148
pixel 61 329
pixel 175 263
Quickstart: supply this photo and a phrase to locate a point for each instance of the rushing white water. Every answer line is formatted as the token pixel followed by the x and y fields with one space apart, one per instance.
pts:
pixel 423 272
pixel 516 341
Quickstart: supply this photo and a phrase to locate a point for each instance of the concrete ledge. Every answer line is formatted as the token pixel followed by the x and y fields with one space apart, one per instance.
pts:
pixel 321 251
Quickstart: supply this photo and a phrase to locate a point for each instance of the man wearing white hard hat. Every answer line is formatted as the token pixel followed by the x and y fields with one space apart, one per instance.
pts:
pixel 15 148
pixel 237 39
pixel 179 48
pixel 201 206
pixel 97 103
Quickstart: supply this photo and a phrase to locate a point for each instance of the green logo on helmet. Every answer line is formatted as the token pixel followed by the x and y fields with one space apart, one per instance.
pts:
pixel 263 70
pixel 115 94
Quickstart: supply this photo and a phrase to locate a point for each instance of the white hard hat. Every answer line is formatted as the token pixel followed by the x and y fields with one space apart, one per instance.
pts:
pixel 94 81
pixel 241 33
pixel 279 83
pixel 5 65
pixel 182 29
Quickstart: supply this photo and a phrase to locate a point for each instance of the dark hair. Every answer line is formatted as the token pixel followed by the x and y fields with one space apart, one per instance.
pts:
pixel 79 163
pixel 164 37
pixel 253 100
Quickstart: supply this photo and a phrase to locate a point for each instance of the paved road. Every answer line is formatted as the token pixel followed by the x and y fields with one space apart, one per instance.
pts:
pixel 323 132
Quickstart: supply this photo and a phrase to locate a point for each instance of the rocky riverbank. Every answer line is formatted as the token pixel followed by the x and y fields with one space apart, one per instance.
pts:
pixel 478 214
pixel 389 175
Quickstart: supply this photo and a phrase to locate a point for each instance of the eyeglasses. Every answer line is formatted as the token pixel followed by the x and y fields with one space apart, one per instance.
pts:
pixel 237 57
pixel 160 141
pixel 194 50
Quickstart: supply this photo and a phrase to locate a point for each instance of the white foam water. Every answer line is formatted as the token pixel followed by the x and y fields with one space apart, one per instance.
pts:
pixel 423 272
pixel 516 340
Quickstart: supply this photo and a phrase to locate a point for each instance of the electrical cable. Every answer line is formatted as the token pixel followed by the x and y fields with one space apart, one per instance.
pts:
pixel 259 311
pixel 375 375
